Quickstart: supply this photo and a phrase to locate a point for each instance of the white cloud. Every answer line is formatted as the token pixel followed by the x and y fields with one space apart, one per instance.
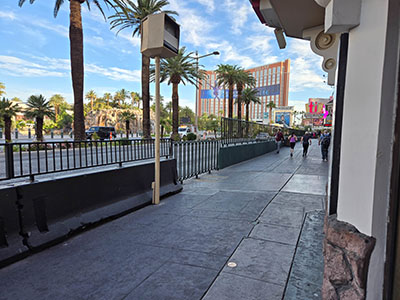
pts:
pixel 195 29
pixel 305 69
pixel 239 11
pixel 7 15
pixel 209 4
pixel 56 67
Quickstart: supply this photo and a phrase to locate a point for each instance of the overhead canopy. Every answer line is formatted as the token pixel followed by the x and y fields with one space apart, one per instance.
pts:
pixel 294 15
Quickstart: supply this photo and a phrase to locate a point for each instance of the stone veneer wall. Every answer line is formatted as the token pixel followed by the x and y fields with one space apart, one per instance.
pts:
pixel 346 259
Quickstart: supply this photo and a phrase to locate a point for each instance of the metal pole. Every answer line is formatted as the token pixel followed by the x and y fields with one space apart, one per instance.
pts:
pixel 156 188
pixel 197 93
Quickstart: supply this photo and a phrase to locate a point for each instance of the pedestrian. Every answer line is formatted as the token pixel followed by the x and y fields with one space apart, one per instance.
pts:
pixel 279 138
pixel 324 142
pixel 292 140
pixel 306 139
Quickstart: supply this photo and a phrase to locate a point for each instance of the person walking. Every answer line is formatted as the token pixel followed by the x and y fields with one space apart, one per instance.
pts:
pixel 292 140
pixel 306 140
pixel 324 142
pixel 279 138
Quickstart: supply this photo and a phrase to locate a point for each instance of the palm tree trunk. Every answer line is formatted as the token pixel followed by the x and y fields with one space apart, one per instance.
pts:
pixel 230 104
pixel 127 128
pixel 175 111
pixel 77 69
pixel 224 100
pixel 39 129
pixel 247 119
pixel 7 128
pixel 239 102
pixel 91 103
pixel 146 95
pixel 162 131
pixel 270 115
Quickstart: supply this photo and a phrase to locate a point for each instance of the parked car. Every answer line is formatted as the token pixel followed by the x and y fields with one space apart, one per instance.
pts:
pixel 101 131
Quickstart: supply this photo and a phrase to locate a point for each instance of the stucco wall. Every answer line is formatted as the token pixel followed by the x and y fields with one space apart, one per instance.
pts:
pixel 361 116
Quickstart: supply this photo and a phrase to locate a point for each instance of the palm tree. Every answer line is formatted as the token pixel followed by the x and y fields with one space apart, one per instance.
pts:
pixel 91 95
pixel 127 116
pixel 38 108
pixel 179 69
pixel 135 97
pixel 76 53
pixel 2 89
pixel 249 95
pixel 7 111
pixel 107 97
pixel 243 78
pixel 131 16
pixel 56 101
pixel 228 75
pixel 270 105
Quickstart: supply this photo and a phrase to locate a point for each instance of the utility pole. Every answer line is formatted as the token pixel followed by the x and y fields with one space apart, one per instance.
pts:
pixel 156 189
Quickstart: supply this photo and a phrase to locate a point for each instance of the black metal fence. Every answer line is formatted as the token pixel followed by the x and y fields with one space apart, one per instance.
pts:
pixel 235 131
pixel 196 157
pixel 39 158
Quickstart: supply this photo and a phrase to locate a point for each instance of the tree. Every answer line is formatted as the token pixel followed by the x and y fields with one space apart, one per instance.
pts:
pixel 92 96
pixel 7 111
pixel 131 16
pixel 2 89
pixel 107 97
pixel 243 79
pixel 57 101
pixel 249 95
pixel 38 108
pixel 76 53
pixel 228 75
pixel 126 116
pixel 178 69
pixel 135 97
pixel 270 105
pixel 187 113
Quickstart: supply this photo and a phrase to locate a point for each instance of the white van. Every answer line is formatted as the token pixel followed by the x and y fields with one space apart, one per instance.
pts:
pixel 184 130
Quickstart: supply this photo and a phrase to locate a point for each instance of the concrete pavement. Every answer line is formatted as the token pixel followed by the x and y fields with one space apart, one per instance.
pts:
pixel 264 216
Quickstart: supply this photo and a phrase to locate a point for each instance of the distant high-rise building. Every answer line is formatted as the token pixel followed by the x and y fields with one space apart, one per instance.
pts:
pixel 272 81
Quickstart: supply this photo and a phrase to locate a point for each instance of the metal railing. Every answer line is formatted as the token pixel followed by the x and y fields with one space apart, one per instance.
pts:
pixel 39 158
pixel 235 131
pixel 196 157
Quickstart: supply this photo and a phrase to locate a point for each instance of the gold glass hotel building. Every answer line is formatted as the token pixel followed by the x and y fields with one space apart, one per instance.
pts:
pixel 272 82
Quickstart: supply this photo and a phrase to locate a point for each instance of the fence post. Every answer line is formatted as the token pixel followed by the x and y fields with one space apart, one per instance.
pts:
pixel 16 133
pixel 1 133
pixel 9 156
pixel 171 148
pixel 29 133
pixel 52 133
pixel 62 133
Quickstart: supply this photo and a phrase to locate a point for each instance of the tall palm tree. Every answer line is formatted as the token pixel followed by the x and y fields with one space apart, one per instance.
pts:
pixel 227 75
pixel 131 16
pixel 92 96
pixel 7 111
pixel 107 97
pixel 127 116
pixel 56 101
pixel 249 95
pixel 179 69
pixel 38 108
pixel 270 105
pixel 2 89
pixel 76 52
pixel 243 78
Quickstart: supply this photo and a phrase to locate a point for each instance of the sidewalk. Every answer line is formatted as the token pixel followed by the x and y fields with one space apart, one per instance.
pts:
pixel 250 214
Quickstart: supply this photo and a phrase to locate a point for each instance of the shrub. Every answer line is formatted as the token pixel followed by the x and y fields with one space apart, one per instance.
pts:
pixel 125 142
pixel 191 136
pixel 95 137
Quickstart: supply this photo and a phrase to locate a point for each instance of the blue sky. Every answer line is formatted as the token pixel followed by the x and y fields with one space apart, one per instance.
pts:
pixel 34 52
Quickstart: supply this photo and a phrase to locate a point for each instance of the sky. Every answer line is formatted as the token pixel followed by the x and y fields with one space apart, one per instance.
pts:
pixel 34 52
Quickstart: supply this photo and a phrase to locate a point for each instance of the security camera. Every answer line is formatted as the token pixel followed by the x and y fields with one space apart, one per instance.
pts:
pixel 280 38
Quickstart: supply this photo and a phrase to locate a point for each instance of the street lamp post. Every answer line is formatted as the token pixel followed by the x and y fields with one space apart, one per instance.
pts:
pixel 197 57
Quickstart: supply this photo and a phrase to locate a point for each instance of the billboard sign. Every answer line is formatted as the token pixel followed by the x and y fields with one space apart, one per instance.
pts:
pixel 282 117
pixel 218 93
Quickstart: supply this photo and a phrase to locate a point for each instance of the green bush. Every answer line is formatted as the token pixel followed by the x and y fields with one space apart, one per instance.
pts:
pixel 95 137
pixel 125 142
pixel 191 136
